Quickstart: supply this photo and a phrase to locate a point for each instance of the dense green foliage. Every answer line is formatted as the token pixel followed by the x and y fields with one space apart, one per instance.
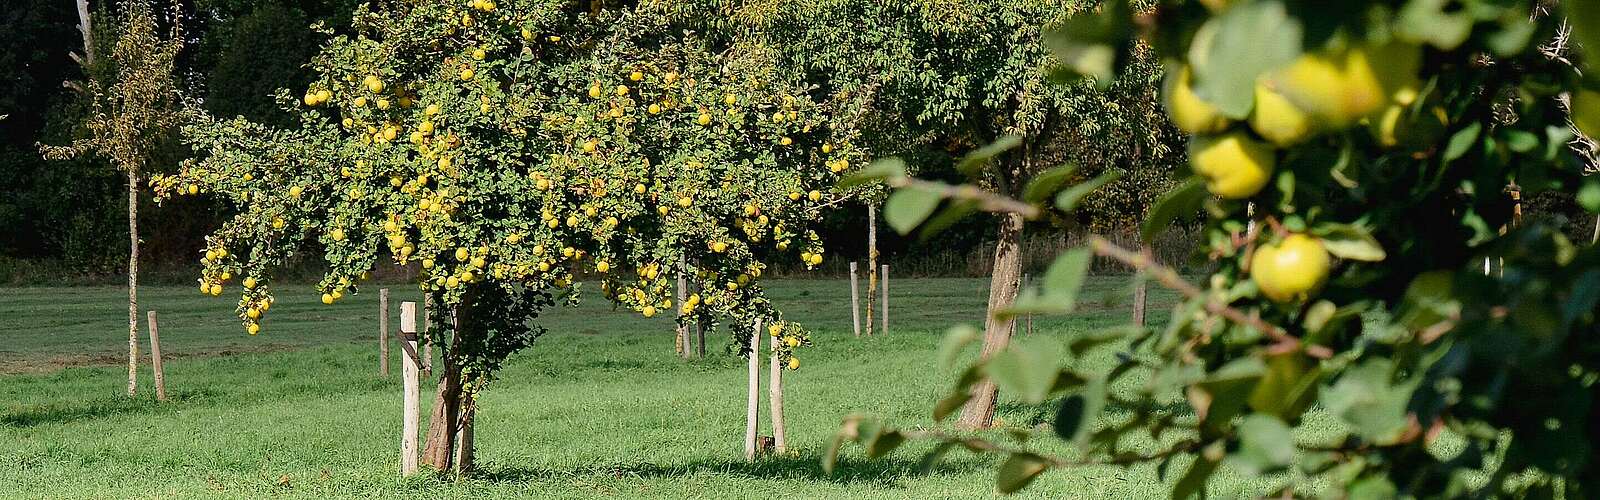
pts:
pixel 1382 278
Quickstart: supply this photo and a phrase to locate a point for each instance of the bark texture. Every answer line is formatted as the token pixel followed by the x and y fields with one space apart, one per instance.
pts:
pixel 1003 284
pixel 133 280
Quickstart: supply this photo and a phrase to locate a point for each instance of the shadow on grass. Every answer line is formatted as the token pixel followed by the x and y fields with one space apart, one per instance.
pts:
pixel 60 413
pixel 885 472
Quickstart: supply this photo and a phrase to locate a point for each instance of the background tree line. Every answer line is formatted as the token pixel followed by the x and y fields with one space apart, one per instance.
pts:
pixel 64 218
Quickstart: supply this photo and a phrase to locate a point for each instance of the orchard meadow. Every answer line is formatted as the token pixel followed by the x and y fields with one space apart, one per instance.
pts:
pixel 828 249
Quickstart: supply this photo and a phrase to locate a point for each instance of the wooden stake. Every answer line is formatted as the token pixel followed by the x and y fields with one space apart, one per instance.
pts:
pixel 155 357
pixel 883 326
pixel 775 394
pixel 752 410
pixel 383 332
pixel 410 420
pixel 855 300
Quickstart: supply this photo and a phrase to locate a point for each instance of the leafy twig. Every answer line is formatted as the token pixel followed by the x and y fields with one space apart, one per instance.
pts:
pixel 987 201
pixel 1171 279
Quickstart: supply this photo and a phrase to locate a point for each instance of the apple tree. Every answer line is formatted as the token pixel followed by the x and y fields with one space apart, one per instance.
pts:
pixel 951 78
pixel 1347 339
pixel 509 149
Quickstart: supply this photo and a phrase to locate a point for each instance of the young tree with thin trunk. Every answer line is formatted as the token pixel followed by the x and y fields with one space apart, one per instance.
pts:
pixel 510 149
pixel 132 108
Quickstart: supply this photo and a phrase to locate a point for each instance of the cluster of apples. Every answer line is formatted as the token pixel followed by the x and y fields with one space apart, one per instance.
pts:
pixel 1343 85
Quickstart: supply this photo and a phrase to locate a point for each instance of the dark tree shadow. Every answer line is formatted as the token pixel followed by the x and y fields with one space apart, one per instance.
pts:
pixel 53 413
pixel 885 472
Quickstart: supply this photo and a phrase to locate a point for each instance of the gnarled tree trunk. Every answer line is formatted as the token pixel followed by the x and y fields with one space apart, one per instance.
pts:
pixel 1003 284
pixel 444 425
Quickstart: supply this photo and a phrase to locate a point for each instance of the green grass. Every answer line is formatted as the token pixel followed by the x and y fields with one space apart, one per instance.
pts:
pixel 600 407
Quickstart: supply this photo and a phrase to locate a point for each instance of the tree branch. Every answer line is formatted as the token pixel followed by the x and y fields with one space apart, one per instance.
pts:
pixel 1171 279
pixel 987 201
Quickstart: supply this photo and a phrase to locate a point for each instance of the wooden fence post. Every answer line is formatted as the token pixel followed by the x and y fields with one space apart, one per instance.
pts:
pixel 383 332
pixel 752 410
pixel 883 326
pixel 410 425
pixel 155 357
pixel 855 300
pixel 775 393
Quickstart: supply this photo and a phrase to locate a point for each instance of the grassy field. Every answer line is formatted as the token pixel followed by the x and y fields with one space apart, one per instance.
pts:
pixel 600 407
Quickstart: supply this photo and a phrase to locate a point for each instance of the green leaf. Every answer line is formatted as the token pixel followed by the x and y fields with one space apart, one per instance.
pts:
pixel 947 406
pixel 951 213
pixel 974 161
pixel 1193 482
pixel 1433 22
pixel 1584 16
pixel 955 339
pixel 830 456
pixel 1047 183
pixel 1068 199
pixel 1585 102
pixel 909 206
pixel 1348 241
pixel 1464 139
pixel 1078 412
pixel 1018 471
pixel 1265 445
pixel 1223 393
pixel 1287 388
pixel 884 169
pixel 1181 201
pixel 883 443
pixel 1027 371
pixel 1521 141
pixel 933 457
pixel 1235 47
pixel 1589 195
pixel 1087 43
pixel 1372 488
pixel 1065 276
pixel 1364 399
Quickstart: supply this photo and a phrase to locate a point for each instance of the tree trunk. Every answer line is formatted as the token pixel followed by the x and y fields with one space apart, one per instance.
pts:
pixel 683 326
pixel 87 30
pixel 775 395
pixel 872 261
pixel 1003 284
pixel 465 456
pixel 752 408
pixel 445 421
pixel 133 281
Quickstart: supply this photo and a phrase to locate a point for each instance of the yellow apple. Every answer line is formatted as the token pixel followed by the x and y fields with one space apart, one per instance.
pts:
pixel 1290 269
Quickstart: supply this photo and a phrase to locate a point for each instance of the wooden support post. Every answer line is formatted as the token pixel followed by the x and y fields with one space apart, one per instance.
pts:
pixel 411 419
pixel 383 332
pixel 855 300
pixel 752 410
pixel 775 394
pixel 883 326
pixel 425 339
pixel 155 357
